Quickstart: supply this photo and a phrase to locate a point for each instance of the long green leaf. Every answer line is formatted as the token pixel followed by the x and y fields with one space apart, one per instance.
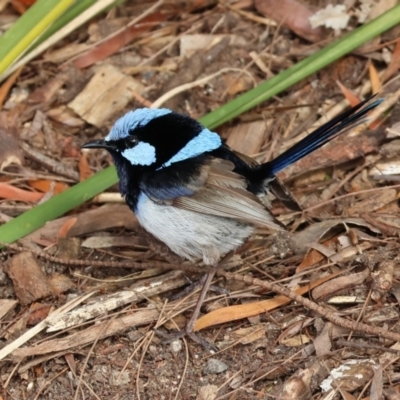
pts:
pixel 64 202
pixel 69 15
pixel 56 206
pixel 304 68
pixel 28 28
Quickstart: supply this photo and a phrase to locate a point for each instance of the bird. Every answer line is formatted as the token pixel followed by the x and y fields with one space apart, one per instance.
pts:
pixel 194 193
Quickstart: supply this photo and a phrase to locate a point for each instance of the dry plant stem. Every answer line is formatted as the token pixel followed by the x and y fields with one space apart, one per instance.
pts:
pixel 60 34
pixel 250 16
pixel 7 382
pixel 362 312
pixel 344 181
pixel 187 86
pixel 25 337
pixel 146 346
pixel 47 383
pixel 107 264
pixel 160 322
pixel 336 110
pixel 356 326
pixel 83 369
pixel 76 377
pixel 131 23
pixel 171 43
pixel 324 203
pixel 346 343
pixel 252 382
pixel 326 313
pixel 48 162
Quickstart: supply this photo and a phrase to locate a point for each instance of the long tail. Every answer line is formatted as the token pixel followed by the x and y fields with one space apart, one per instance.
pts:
pixel 322 135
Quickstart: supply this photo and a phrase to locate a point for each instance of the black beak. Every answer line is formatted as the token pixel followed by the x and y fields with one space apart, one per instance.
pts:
pixel 98 144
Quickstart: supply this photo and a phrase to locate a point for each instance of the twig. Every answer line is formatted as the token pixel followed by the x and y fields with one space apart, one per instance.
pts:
pixel 355 326
pixel 335 199
pixel 179 89
pixel 51 164
pixel 47 383
pixel 347 343
pixel 107 264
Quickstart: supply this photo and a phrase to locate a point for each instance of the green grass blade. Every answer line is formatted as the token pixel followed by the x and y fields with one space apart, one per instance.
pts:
pixel 69 15
pixel 303 69
pixel 62 203
pixel 64 19
pixel 28 28
pixel 56 206
pixel 75 16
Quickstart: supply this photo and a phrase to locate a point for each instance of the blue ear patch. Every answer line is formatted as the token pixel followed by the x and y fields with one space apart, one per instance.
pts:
pixel 142 154
pixel 134 119
pixel 205 141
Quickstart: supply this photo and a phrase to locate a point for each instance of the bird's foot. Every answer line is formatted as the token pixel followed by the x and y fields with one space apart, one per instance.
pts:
pixel 194 285
pixel 169 338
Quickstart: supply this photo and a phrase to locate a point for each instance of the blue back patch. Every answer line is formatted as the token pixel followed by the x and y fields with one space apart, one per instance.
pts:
pixel 142 154
pixel 134 119
pixel 205 141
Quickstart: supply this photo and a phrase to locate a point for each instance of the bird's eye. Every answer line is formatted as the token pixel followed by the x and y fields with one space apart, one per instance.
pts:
pixel 130 142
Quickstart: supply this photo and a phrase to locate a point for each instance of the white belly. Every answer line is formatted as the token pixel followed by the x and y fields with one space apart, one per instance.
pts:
pixel 189 234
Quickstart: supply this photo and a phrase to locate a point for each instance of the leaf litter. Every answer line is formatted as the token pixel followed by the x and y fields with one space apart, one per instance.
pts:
pixel 342 251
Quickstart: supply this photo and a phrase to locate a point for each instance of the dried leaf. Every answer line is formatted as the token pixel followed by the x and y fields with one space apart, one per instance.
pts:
pixel 334 17
pixel 374 202
pixel 7 85
pixel 60 283
pixel 101 242
pixel 87 222
pixel 10 152
pixel 376 83
pixel 247 137
pixel 12 193
pixel 107 86
pixel 292 14
pixel 296 341
pixel 195 42
pixel 63 232
pixel 350 376
pixel 6 305
pixel 233 313
pixel 45 185
pixel 348 94
pixel 37 313
pixel 394 64
pixel 30 282
pixel 250 334
pixel 120 39
pixel 65 116
pixel 84 167
pixel 340 283
pixel 319 230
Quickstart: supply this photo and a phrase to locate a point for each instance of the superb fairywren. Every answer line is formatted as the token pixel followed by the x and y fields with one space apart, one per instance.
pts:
pixel 194 193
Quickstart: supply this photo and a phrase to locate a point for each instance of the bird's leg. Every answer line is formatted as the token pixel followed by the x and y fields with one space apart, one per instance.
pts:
pixel 194 285
pixel 189 329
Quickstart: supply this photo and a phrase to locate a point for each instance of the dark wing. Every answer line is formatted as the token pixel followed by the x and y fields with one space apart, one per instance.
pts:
pixel 275 185
pixel 251 162
pixel 219 191
pixel 283 194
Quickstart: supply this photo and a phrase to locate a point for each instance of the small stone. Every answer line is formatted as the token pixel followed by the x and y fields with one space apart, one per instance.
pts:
pixel 176 346
pixel 119 379
pixel 215 366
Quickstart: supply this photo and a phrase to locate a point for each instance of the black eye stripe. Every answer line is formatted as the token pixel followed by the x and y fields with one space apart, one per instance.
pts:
pixel 130 141
pixel 127 143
